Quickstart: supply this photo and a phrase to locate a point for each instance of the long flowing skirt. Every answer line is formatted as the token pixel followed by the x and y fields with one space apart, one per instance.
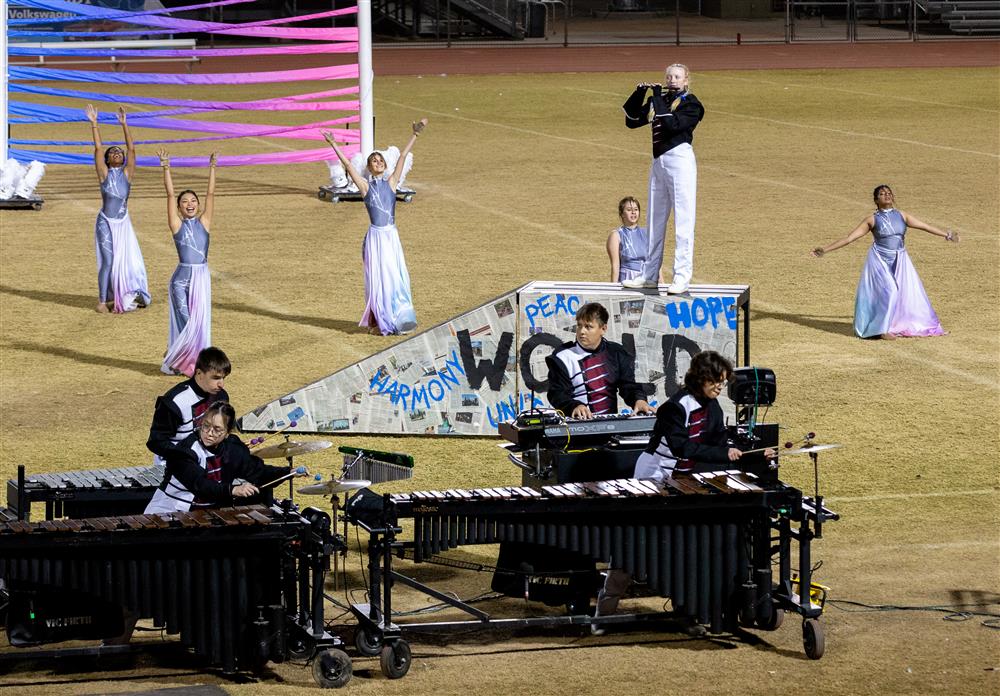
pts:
pixel 891 299
pixel 125 271
pixel 190 317
pixel 388 300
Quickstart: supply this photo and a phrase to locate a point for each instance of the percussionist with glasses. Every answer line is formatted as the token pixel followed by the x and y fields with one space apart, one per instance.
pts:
pixel 212 467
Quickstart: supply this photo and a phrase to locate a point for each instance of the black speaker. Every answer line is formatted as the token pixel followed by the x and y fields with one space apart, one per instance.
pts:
pixel 752 386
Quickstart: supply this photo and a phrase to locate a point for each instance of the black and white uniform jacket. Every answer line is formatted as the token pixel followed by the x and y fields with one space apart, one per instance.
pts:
pixel 592 378
pixel 687 430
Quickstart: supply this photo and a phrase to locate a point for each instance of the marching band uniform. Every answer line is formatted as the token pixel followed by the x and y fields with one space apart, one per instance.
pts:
pixel 190 300
pixel 121 271
pixel 388 300
pixel 197 476
pixel 594 379
pixel 177 415
pixel 673 177
pixel 687 431
pixel 891 299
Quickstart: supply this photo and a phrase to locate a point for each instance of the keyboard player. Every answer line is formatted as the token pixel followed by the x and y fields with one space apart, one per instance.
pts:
pixel 587 375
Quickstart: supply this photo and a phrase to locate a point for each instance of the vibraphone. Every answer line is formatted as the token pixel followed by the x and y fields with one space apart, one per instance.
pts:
pixel 239 585
pixel 704 541
pixel 116 491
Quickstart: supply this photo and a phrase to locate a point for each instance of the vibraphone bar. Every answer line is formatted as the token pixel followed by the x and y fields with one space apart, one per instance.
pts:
pixel 116 491
pixel 703 540
pixel 238 585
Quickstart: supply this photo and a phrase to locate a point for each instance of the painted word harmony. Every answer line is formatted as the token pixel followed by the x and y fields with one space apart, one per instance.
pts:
pixel 413 395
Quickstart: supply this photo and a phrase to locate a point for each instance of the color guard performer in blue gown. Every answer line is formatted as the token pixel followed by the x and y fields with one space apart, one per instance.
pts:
pixel 191 284
pixel 121 272
pixel 891 300
pixel 388 299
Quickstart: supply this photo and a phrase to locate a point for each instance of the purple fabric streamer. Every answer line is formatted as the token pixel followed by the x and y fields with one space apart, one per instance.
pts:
pixel 47 114
pixel 335 72
pixel 298 132
pixel 296 50
pixel 174 25
pixel 292 157
pixel 42 113
pixel 293 102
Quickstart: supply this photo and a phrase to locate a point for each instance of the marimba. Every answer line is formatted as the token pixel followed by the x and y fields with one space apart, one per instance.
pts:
pixel 239 585
pixel 705 541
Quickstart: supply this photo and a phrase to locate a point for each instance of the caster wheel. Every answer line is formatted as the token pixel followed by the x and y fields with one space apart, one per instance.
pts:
pixel 332 669
pixel 813 640
pixel 367 644
pixel 774 622
pixel 395 659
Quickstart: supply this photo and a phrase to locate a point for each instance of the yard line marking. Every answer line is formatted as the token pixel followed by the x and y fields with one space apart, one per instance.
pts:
pixel 932 105
pixel 857 134
pixel 908 496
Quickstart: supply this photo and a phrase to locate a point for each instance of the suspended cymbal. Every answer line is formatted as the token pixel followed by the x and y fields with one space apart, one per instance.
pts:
pixel 333 486
pixel 291 449
pixel 808 449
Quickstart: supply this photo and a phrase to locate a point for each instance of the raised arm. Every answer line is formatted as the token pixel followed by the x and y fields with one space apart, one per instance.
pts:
pixel 99 164
pixel 857 233
pixel 614 253
pixel 206 215
pixel 129 145
pixel 916 224
pixel 358 180
pixel 400 163
pixel 173 217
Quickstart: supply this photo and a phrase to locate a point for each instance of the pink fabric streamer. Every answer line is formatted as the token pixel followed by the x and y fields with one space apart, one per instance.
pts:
pixel 335 72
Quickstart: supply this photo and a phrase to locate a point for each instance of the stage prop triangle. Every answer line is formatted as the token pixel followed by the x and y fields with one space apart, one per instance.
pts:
pixel 469 374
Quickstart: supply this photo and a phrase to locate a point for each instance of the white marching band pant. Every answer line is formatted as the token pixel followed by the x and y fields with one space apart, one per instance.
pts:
pixel 673 185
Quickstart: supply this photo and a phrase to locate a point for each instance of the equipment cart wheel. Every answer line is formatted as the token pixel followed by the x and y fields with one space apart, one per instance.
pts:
pixel 813 639
pixel 395 659
pixel 773 623
pixel 332 668
pixel 367 643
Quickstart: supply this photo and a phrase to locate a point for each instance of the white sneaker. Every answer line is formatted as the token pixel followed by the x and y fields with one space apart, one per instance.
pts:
pixel 677 288
pixel 639 283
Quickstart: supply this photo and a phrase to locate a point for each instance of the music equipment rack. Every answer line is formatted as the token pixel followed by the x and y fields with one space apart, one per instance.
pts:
pixel 705 541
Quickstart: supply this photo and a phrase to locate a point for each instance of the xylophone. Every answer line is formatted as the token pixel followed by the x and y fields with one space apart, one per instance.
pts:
pixel 704 540
pixel 116 491
pixel 239 585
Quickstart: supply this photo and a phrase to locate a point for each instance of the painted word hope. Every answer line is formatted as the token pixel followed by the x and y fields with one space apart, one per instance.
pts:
pixel 701 311
pixel 544 306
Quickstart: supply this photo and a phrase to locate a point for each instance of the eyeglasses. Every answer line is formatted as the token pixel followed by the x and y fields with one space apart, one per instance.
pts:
pixel 211 429
pixel 720 385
